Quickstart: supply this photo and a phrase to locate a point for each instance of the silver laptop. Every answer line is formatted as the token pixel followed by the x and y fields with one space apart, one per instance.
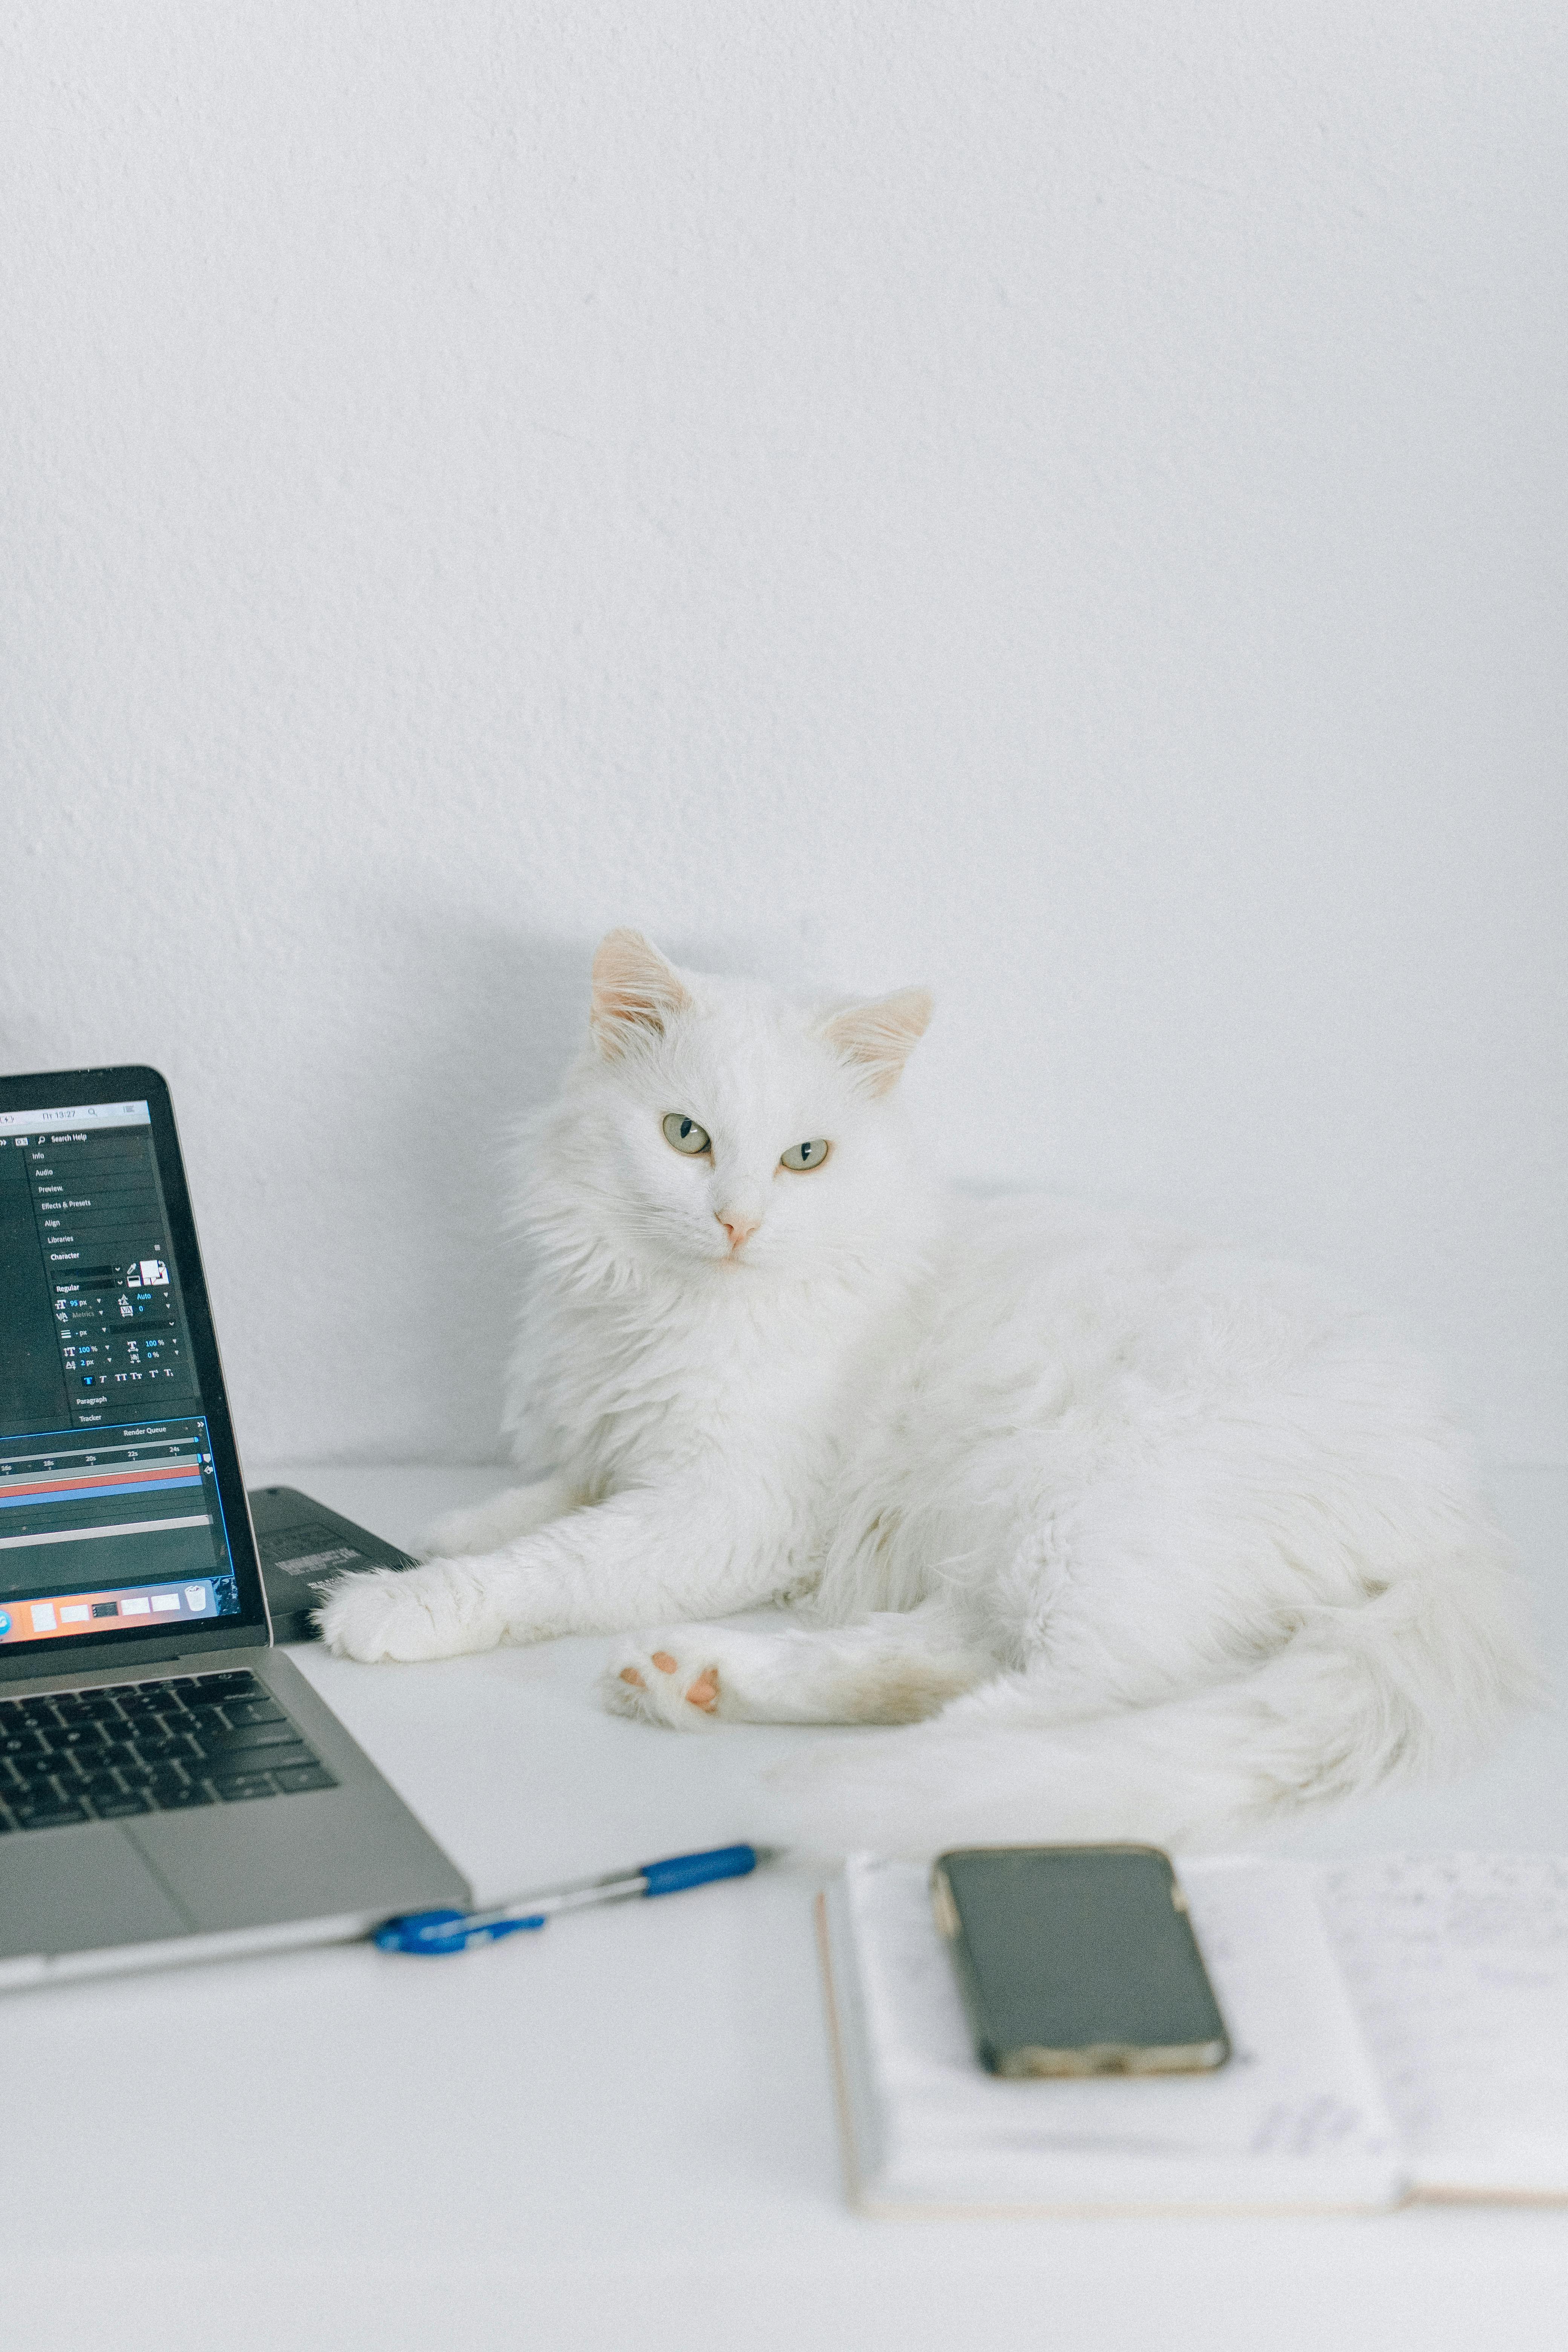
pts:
pixel 170 1787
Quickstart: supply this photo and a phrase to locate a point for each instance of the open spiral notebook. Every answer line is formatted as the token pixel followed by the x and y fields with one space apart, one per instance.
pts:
pixel 1400 2030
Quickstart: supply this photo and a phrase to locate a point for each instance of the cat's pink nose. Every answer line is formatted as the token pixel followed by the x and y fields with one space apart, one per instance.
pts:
pixel 739 1225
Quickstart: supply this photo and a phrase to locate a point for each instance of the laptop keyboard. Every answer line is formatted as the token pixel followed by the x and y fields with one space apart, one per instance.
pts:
pixel 148 1747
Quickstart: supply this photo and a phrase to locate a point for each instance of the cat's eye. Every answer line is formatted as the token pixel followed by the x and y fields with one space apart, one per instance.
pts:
pixel 686 1135
pixel 801 1156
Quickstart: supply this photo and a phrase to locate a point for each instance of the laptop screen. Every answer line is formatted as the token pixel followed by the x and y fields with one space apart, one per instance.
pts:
pixel 112 1518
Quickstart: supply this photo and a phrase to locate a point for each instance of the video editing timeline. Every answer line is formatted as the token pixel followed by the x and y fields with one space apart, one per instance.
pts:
pixel 109 1521
pixel 84 1242
pixel 100 1534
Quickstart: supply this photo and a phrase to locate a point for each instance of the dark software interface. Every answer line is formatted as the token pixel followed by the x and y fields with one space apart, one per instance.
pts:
pixel 109 1516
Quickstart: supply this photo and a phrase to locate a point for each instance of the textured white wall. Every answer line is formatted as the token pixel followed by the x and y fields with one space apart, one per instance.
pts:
pixel 1063 502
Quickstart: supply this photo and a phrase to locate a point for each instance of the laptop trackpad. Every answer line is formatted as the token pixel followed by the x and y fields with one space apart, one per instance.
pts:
pixel 79 1890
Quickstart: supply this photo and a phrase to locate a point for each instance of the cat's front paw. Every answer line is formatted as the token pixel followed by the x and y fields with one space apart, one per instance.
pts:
pixel 669 1678
pixel 407 1614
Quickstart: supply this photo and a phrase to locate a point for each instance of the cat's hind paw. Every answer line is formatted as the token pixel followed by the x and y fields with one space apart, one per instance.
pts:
pixel 665 1678
pixel 403 1615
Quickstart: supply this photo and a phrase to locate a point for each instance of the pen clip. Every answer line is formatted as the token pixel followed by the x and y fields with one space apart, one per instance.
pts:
pixel 433 1933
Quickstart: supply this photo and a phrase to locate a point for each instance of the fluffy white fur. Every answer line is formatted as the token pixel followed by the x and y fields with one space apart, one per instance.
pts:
pixel 1162 1540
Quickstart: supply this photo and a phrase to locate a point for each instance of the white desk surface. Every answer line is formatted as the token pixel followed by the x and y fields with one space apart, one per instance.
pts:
pixel 620 2133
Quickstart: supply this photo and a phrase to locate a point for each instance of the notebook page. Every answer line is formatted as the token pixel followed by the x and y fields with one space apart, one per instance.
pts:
pixel 1296 2117
pixel 1458 1965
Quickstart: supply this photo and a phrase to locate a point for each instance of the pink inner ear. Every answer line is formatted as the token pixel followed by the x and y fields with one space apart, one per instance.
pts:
pixel 881 1035
pixel 634 988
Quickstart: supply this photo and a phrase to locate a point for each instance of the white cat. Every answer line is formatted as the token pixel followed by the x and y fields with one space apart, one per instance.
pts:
pixel 1164 1542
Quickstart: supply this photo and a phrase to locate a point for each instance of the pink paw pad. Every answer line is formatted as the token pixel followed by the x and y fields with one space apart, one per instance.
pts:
pixel 703 1692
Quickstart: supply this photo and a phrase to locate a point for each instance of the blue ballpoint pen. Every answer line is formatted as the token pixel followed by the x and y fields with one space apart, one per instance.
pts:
pixel 436 1932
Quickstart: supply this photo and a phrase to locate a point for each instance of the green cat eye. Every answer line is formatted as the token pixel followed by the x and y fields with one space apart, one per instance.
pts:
pixel 801 1156
pixel 684 1133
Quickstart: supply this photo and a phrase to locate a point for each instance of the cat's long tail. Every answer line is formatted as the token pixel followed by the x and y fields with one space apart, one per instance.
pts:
pixel 1412 1683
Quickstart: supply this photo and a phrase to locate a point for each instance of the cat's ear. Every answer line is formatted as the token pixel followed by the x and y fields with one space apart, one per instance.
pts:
pixel 880 1036
pixel 634 990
